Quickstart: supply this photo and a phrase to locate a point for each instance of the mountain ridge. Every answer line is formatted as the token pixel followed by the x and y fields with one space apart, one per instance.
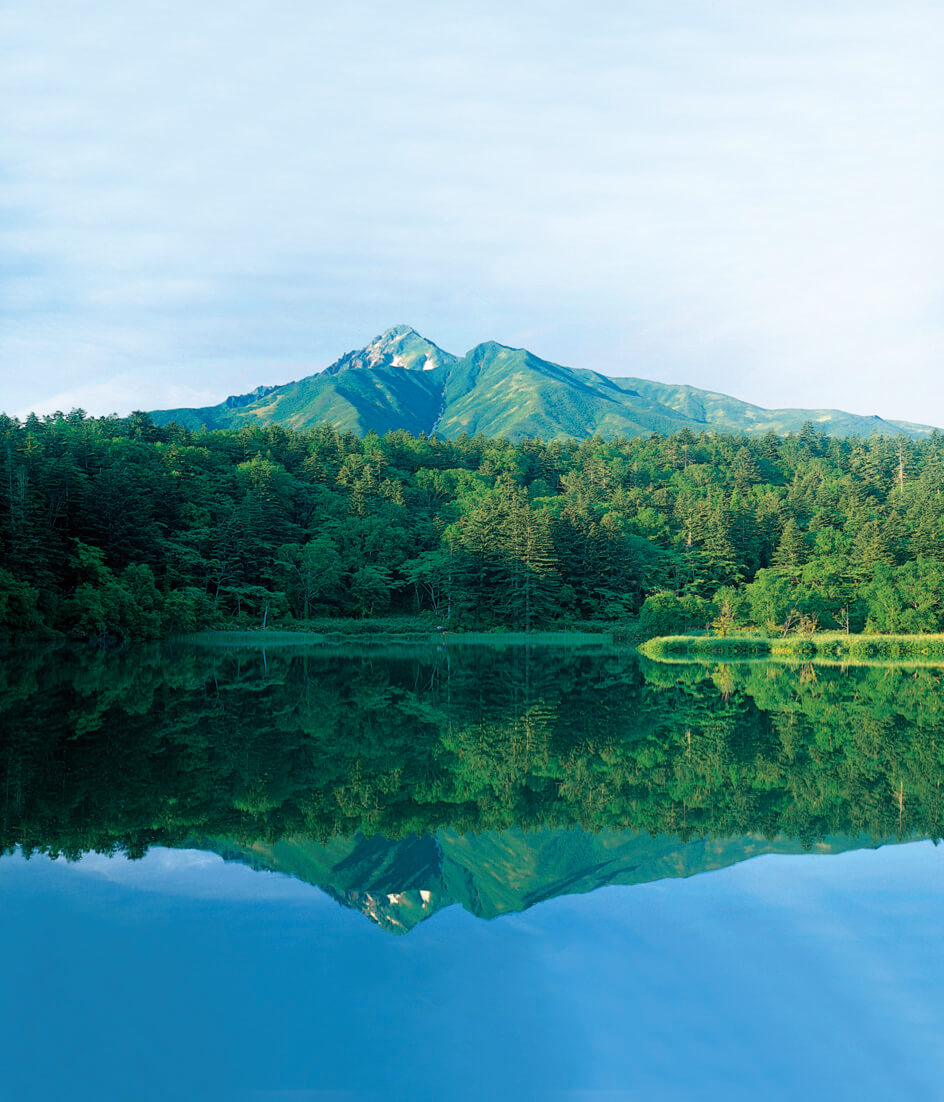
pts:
pixel 402 380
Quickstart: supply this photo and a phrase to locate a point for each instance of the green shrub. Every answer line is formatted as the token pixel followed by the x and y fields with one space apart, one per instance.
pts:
pixel 670 614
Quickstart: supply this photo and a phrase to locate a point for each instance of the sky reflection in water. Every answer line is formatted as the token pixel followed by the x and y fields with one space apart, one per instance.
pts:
pixel 181 976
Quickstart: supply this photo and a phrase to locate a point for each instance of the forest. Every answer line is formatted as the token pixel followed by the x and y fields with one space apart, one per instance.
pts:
pixel 118 528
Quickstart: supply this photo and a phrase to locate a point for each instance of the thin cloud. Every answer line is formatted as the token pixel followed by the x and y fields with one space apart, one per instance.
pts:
pixel 742 198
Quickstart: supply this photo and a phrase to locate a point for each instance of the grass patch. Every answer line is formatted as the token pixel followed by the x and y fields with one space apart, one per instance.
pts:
pixel 832 647
pixel 692 647
pixel 368 625
pixel 252 638
pixel 277 638
pixel 530 638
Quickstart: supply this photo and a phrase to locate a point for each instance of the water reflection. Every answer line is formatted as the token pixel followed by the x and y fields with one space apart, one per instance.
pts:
pixel 406 780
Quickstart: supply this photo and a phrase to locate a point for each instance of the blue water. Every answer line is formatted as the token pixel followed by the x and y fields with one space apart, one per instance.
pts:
pixel 184 977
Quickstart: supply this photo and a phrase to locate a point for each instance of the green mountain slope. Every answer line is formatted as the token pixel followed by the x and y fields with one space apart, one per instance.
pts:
pixel 403 381
pixel 398 884
pixel 731 415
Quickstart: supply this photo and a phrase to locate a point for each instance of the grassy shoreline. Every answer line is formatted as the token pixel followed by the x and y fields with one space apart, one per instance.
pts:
pixel 823 647
pixel 278 638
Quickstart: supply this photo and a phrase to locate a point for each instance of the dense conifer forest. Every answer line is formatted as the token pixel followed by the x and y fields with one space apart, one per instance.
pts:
pixel 118 527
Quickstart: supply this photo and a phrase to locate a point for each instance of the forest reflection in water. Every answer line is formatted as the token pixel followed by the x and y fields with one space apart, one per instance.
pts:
pixel 403 779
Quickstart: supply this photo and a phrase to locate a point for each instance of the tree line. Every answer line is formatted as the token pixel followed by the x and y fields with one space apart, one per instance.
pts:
pixel 119 527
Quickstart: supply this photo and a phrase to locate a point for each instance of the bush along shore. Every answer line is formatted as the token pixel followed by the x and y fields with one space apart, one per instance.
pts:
pixel 833 647
pixel 118 528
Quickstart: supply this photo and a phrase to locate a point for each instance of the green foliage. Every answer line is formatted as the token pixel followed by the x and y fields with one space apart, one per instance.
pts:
pixel 668 614
pixel 128 529
pixel 186 609
pixel 370 588
pixel 906 599
pixel 311 574
pixel 18 604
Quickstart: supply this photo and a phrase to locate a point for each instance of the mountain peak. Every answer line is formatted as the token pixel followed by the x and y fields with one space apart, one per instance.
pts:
pixel 489 352
pixel 398 346
pixel 397 332
pixel 393 337
pixel 397 342
pixel 491 347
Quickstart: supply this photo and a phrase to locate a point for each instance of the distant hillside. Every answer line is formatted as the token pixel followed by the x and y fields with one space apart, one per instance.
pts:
pixel 403 381
pixel 398 884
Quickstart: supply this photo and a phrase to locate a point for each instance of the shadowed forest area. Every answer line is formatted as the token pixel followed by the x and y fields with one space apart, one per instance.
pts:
pixel 113 527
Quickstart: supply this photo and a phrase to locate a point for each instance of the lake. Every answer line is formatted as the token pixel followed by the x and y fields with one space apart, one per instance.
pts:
pixel 466 872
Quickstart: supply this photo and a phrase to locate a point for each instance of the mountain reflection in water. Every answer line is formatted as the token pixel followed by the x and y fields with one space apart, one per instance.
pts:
pixel 400 883
pixel 404 780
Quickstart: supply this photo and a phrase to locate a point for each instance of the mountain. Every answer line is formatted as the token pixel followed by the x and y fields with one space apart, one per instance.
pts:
pixel 401 380
pixel 398 884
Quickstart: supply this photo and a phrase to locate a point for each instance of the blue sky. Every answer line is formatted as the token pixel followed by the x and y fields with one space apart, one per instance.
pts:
pixel 195 199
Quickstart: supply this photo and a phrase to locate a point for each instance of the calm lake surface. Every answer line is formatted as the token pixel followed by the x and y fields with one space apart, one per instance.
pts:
pixel 468 872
